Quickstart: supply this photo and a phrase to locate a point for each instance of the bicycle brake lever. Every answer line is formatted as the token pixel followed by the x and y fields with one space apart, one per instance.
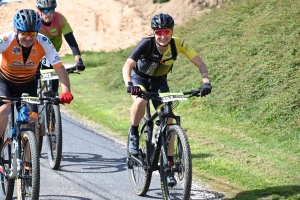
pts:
pixel 55 100
pixel 195 93
pixel 144 95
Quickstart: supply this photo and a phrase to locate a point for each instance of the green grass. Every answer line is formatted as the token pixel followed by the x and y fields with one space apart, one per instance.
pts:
pixel 245 136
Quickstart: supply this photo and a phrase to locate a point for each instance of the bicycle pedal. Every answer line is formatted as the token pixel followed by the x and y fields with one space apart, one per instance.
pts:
pixel 171 180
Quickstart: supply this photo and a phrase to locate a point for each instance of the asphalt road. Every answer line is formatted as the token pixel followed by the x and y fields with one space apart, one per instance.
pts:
pixel 94 167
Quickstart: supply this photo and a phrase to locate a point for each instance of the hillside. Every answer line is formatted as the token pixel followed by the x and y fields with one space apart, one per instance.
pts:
pixel 110 25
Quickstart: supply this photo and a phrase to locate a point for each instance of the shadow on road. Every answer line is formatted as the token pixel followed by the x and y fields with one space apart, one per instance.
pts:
pixel 62 197
pixel 91 163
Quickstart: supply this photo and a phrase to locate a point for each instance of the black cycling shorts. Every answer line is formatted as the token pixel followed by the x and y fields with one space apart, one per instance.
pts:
pixel 10 89
pixel 151 85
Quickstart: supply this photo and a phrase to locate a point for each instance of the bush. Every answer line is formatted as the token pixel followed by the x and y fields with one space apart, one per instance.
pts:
pixel 160 1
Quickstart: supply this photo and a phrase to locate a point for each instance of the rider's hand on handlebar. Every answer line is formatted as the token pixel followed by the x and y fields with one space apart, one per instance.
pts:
pixel 66 97
pixel 205 89
pixel 79 65
pixel 133 90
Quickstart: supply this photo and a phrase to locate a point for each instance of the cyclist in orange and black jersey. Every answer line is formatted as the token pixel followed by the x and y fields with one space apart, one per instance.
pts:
pixel 150 73
pixel 21 51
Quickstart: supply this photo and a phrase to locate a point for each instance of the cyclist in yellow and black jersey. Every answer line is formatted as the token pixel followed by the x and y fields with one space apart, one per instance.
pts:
pixel 147 68
pixel 159 63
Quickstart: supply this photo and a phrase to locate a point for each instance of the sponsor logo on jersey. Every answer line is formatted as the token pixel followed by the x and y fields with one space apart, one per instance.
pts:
pixel 57 58
pixel 5 39
pixel 16 50
pixel 1 41
pixel 33 52
pixel 30 64
pixel 17 65
pixel 53 30
pixel 168 54
pixel 44 38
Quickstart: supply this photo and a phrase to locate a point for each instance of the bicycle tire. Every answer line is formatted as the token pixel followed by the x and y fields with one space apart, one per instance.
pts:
pixel 139 177
pixel 7 184
pixel 41 131
pixel 32 177
pixel 55 130
pixel 182 168
pixel 40 144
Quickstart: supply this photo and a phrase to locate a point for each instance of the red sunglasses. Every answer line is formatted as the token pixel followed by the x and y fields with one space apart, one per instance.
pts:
pixel 165 32
pixel 26 34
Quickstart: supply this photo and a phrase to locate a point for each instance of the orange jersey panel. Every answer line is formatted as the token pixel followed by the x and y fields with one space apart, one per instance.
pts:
pixel 13 67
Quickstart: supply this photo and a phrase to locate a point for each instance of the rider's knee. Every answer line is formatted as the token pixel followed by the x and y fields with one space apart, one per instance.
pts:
pixel 5 110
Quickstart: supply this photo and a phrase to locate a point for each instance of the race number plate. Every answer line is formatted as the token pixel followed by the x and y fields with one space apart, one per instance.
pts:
pixel 45 61
pixel 48 74
pixel 33 100
pixel 167 97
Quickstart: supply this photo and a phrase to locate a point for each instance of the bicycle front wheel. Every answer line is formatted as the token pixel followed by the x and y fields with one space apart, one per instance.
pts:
pixel 7 183
pixel 178 146
pixel 54 138
pixel 139 177
pixel 28 184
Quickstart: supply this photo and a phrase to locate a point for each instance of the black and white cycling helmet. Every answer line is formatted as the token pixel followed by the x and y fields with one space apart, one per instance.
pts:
pixel 46 4
pixel 27 20
pixel 161 21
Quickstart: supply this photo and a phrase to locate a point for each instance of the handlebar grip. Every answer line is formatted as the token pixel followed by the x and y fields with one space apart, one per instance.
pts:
pixel 72 70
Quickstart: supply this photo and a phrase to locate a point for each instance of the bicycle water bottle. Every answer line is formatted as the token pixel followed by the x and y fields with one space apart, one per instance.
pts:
pixel 155 133
pixel 13 133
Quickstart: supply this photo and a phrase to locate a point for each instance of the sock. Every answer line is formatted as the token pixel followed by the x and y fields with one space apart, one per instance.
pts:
pixel 170 158
pixel 134 130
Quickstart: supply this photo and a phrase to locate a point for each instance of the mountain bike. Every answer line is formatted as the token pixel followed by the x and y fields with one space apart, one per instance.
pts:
pixel 19 152
pixel 50 118
pixel 171 140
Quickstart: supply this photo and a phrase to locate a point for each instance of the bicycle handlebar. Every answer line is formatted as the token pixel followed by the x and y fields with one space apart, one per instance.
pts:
pixel 30 99
pixel 72 70
pixel 157 96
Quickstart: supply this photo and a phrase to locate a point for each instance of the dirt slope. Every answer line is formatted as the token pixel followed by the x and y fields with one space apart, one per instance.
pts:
pixel 109 24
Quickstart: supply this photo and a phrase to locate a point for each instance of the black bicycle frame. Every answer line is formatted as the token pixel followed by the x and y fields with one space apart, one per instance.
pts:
pixel 45 102
pixel 17 124
pixel 153 152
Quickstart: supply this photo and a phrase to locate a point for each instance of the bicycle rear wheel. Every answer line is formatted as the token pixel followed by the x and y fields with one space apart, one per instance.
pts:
pixel 182 169
pixel 139 177
pixel 7 184
pixel 54 138
pixel 28 185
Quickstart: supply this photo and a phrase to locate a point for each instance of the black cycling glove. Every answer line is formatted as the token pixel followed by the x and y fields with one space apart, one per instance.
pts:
pixel 133 90
pixel 79 65
pixel 205 89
